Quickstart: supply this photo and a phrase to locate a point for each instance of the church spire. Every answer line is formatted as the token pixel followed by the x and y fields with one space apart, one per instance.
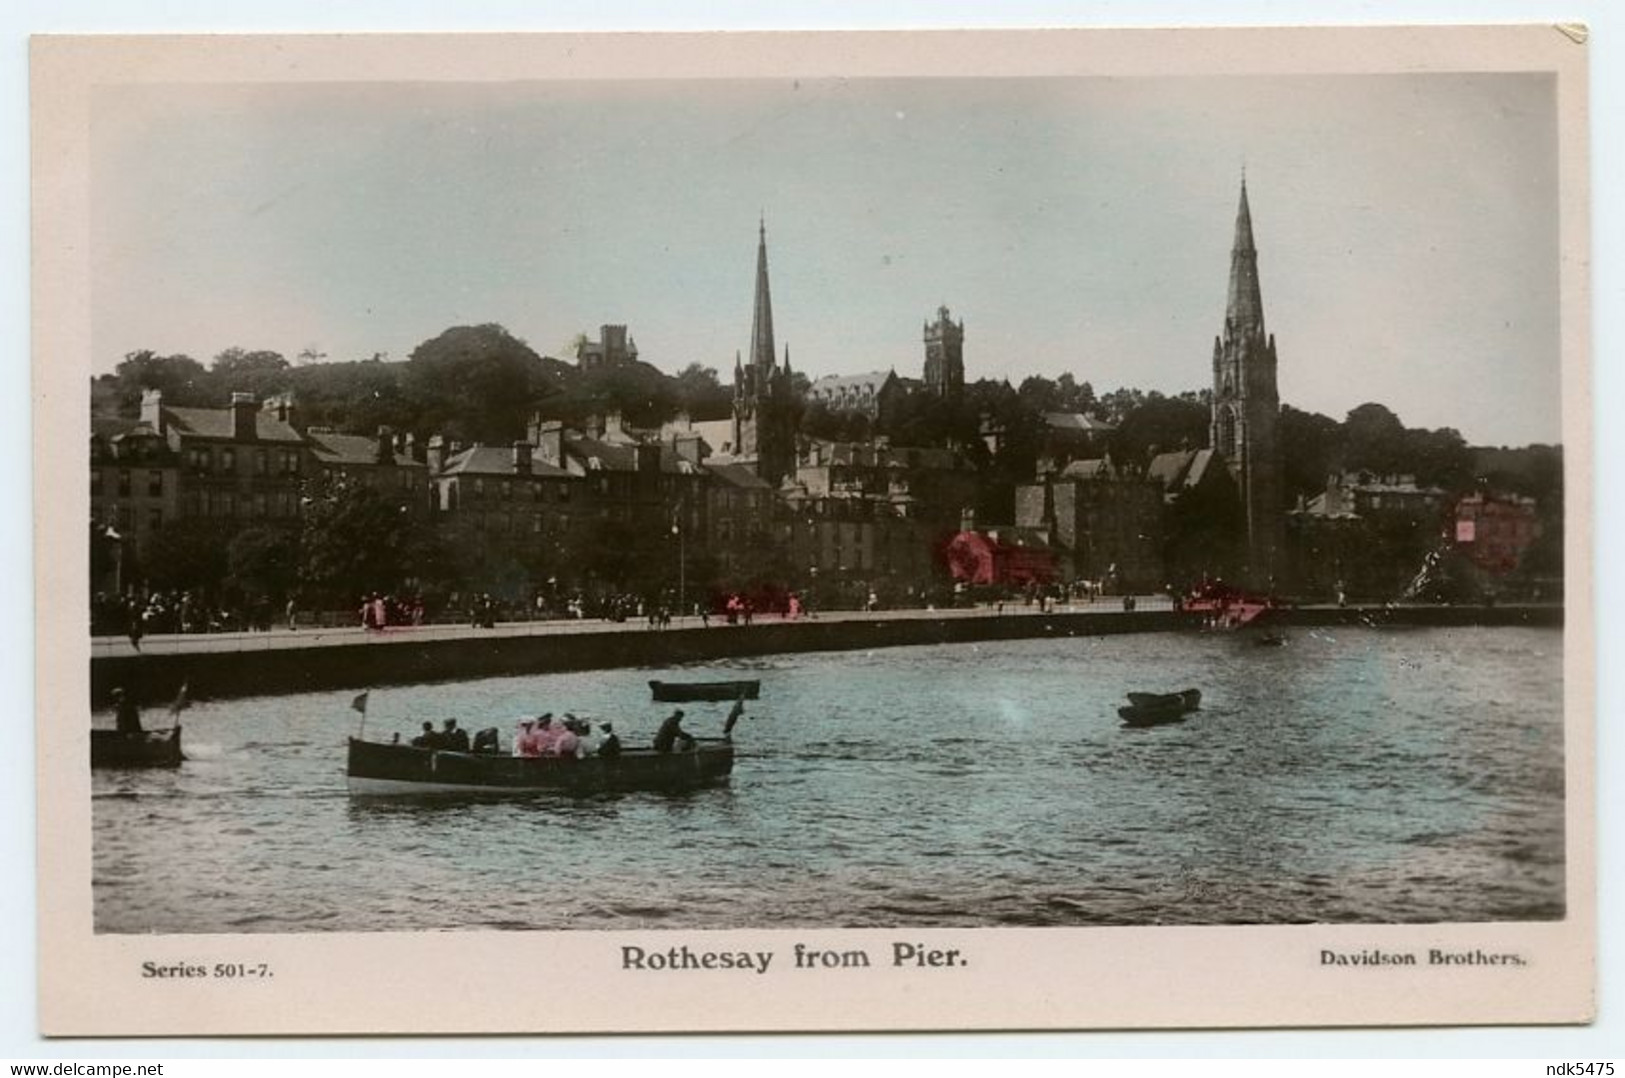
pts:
pixel 1244 312
pixel 761 329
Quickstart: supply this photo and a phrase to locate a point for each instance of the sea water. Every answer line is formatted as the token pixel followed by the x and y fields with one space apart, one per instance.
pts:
pixel 1353 775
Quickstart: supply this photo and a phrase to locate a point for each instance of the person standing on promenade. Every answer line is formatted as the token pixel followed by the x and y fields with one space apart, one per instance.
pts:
pixel 132 614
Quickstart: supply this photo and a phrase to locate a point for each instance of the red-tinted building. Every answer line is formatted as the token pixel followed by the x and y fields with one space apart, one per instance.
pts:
pixel 1002 557
pixel 1496 530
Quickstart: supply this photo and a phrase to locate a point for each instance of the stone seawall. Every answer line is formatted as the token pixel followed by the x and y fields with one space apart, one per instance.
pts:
pixel 365 662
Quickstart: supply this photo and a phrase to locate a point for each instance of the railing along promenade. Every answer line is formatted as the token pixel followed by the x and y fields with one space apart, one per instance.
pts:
pixel 286 660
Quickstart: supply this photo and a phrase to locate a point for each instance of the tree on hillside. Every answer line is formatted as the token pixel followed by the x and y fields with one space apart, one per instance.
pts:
pixel 181 379
pixel 1439 458
pixel 1374 440
pixel 1159 425
pixel 1119 403
pixel 1310 445
pixel 475 383
pixel 700 392
pixel 260 373
pixel 356 398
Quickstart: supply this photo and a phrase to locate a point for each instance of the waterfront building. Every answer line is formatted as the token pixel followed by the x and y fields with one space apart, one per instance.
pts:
pixel 1247 405
pixel 1496 531
pixel 764 405
pixel 1004 557
pixel 1364 536
pixel 238 465
pixel 504 514
pixel 1204 529
pixel 390 465
pixel 1105 523
pixel 134 492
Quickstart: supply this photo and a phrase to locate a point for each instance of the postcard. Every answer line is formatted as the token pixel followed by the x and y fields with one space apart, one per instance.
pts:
pixel 813 531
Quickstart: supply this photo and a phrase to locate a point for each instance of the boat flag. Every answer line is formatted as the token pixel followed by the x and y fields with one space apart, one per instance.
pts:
pixel 182 702
pixel 360 704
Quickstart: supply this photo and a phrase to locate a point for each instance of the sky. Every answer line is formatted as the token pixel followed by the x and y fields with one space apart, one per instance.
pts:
pixel 1407 226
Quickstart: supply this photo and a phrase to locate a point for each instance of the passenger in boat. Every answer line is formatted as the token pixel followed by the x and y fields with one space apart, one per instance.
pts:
pixel 587 740
pixel 566 743
pixel 609 746
pixel 125 711
pixel 428 739
pixel 545 734
pixel 454 737
pixel 485 741
pixel 671 736
pixel 524 738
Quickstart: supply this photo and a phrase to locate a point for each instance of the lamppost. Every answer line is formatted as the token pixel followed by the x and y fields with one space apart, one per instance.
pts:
pixel 682 568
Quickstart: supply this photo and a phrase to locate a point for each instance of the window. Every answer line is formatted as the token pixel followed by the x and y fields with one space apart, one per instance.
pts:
pixel 259 505
pixel 155 484
pixel 290 462
pixel 262 462
pixel 507 489
pixel 155 519
pixel 228 460
pixel 198 459
pixel 479 488
pixel 228 504
pixel 123 484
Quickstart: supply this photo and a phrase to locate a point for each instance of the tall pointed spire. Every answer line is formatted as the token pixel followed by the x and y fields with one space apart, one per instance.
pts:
pixel 761 329
pixel 1244 312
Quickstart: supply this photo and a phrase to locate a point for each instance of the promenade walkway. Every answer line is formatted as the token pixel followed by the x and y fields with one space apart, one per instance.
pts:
pixel 283 638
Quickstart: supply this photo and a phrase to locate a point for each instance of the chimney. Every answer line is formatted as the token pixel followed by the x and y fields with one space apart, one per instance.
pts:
pixel 550 442
pixel 687 446
pixel 648 459
pixel 436 455
pixel 411 448
pixel 243 421
pixel 280 408
pixel 384 452
pixel 152 409
pixel 521 458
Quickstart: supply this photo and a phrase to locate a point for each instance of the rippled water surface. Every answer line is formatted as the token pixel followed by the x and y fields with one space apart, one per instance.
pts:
pixel 1353 775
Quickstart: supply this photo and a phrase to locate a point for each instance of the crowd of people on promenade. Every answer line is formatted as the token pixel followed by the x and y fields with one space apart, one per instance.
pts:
pixel 140 614
pixel 379 611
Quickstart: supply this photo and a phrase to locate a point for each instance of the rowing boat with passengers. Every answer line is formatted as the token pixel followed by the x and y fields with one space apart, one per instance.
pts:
pixel 377 769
